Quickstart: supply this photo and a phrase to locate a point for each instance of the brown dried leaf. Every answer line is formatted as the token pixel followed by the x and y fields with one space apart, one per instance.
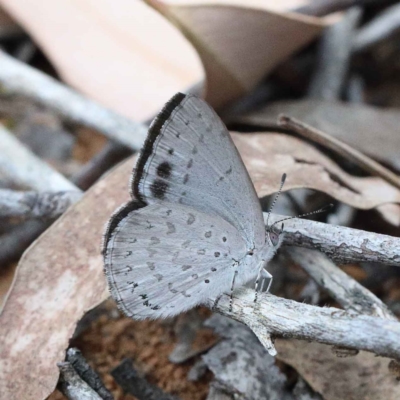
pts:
pixel 268 155
pixel 130 58
pixel 239 41
pixel 58 279
pixel 374 131
pixel 364 376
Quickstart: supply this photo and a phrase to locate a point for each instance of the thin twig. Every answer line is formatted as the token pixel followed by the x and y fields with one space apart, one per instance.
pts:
pixel 19 79
pixel 333 58
pixel 81 366
pixel 34 204
pixel 73 386
pixel 339 147
pixel 344 289
pixel 340 243
pixel 127 377
pixel 110 155
pixel 278 317
pixel 22 168
pixel 381 28
pixel 324 7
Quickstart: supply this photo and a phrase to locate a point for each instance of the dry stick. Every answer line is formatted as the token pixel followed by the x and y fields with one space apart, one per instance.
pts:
pixel 333 57
pixel 24 169
pixel 278 317
pixel 81 366
pixel 341 243
pixel 344 289
pixel 73 386
pixel 339 147
pixel 324 7
pixel 110 155
pixel 19 79
pixel 384 26
pixel 27 205
pixel 128 378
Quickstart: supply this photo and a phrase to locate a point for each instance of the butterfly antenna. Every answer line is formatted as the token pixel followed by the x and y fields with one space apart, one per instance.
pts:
pixel 323 209
pixel 276 196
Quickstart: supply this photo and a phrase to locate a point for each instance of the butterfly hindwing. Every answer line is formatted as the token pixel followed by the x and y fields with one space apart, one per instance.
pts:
pixel 166 258
pixel 189 158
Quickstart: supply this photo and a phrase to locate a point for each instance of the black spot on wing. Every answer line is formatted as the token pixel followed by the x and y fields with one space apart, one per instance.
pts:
pixel 185 179
pixel 154 131
pixel 164 169
pixel 171 228
pixel 191 219
pixel 159 188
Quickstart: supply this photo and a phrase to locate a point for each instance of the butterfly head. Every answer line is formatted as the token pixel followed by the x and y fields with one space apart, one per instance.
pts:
pixel 275 235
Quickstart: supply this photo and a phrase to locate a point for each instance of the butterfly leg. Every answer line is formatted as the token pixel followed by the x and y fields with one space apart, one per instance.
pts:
pixel 216 303
pixel 232 287
pixel 265 275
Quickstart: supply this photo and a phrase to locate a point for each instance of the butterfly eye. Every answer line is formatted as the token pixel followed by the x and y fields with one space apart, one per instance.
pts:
pixel 274 237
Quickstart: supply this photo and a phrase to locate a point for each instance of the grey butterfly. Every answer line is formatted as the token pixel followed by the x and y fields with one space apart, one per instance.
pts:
pixel 194 228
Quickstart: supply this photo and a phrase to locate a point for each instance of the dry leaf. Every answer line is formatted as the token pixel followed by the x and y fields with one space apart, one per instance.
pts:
pixel 125 55
pixel 58 279
pixel 268 155
pixel 374 131
pixel 364 376
pixel 121 53
pixel 239 41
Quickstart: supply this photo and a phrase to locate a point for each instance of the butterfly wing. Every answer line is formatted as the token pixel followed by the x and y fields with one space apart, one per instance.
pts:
pixel 189 158
pixel 165 258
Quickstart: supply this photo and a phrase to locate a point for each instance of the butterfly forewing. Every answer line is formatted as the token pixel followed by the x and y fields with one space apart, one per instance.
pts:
pixel 165 258
pixel 189 158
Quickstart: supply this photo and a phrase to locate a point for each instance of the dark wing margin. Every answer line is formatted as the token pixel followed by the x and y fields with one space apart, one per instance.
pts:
pixel 115 219
pixel 147 150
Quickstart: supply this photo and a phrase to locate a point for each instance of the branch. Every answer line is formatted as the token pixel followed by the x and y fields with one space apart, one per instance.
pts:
pixel 345 150
pixel 278 317
pixel 81 366
pixel 36 205
pixel 333 57
pixel 19 79
pixel 128 378
pixel 340 243
pixel 384 26
pixel 73 386
pixel 324 7
pixel 344 289
pixel 24 169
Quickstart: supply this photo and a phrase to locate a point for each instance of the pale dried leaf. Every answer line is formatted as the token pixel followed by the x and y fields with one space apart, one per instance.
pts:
pixel 372 130
pixel 121 53
pixel 268 155
pixel 130 58
pixel 58 279
pixel 364 376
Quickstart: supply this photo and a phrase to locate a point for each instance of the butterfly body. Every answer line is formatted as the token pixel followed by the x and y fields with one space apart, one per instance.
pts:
pixel 195 223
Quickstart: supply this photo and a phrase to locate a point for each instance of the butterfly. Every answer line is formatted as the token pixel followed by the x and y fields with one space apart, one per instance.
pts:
pixel 194 228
